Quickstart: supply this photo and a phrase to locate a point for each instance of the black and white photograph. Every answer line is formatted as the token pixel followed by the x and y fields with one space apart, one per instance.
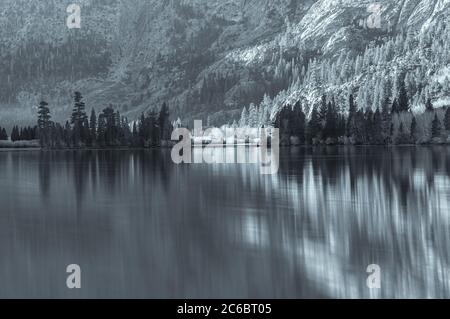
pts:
pixel 248 150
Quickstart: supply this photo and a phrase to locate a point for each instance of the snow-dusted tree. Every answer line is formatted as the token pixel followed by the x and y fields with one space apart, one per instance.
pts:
pixel 323 110
pixel 244 118
pixel 265 109
pixel 252 120
pixel 403 101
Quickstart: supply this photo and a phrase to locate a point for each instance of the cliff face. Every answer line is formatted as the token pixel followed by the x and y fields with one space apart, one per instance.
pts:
pixel 203 57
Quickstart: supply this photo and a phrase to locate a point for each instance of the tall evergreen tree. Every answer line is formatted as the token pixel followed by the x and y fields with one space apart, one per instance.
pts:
pixel 93 127
pixel 368 124
pixel 143 130
pixel 164 123
pixel 3 134
pixel 154 131
pixel 299 122
pixel 14 134
pixel 101 130
pixel 135 135
pixel 413 131
pixel 86 132
pixel 67 135
pixel 402 137
pixel 244 118
pixel 78 119
pixel 403 101
pixel 352 106
pixel 386 118
pixel 44 124
pixel 323 111
pixel 358 128
pixel 447 119
pixel 436 127
pixel 377 127
pixel 331 124
pixel 110 130
pixel 314 126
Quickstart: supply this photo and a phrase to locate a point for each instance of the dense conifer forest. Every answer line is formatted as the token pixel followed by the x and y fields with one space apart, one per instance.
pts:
pixel 105 129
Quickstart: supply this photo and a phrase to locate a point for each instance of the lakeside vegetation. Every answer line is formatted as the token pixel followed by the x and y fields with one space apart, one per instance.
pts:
pixel 393 124
pixel 105 130
pixel 328 124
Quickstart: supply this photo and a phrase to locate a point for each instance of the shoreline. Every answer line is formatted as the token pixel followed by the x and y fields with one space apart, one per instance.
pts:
pixel 124 148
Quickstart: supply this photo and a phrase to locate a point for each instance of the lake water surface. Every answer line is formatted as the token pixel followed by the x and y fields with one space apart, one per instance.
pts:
pixel 140 226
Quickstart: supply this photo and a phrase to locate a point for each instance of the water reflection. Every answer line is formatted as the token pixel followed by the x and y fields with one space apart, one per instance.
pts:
pixel 140 226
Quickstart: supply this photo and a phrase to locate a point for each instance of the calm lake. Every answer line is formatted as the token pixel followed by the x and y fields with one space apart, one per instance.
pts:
pixel 140 226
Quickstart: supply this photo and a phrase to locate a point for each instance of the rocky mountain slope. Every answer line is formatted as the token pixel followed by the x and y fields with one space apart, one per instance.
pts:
pixel 206 58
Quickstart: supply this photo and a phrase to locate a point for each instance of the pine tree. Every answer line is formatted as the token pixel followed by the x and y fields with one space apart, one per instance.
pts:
pixel 101 130
pixel 93 127
pixel 323 111
pixel 299 123
pixel 78 119
pixel 67 135
pixel 14 134
pixel 85 132
pixel 413 130
pixel 153 131
pixel 135 141
pixel 44 124
pixel 24 134
pixel 358 128
pixel 386 118
pixel 330 130
pixel 351 114
pixel 352 106
pixel 252 116
pixel 314 126
pixel 368 124
pixel 402 137
pixel 403 101
pixel 377 127
pixel 109 122
pixel 244 118
pixel 436 127
pixel 3 134
pixel 164 123
pixel 447 119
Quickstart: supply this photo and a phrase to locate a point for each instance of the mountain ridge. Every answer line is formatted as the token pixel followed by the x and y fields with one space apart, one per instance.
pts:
pixel 204 58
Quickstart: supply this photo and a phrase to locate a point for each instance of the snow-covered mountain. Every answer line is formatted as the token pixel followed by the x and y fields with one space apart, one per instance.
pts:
pixel 369 55
pixel 213 57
